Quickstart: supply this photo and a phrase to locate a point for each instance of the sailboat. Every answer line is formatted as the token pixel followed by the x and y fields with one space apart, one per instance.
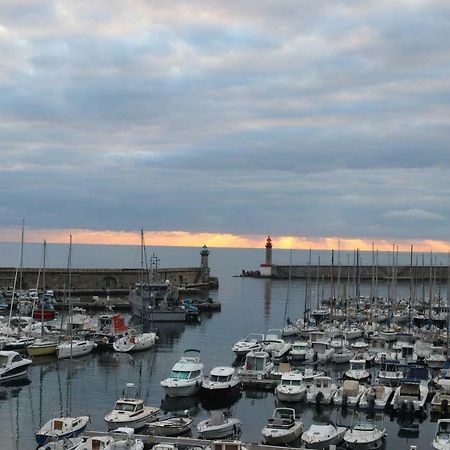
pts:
pixel 68 426
pixel 73 348
pixel 42 346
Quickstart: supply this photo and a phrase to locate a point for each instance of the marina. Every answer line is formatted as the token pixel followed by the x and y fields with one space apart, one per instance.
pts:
pixel 97 379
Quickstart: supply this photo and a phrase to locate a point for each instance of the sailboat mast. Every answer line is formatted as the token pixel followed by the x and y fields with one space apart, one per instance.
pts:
pixel 43 290
pixel 288 288
pixel 21 256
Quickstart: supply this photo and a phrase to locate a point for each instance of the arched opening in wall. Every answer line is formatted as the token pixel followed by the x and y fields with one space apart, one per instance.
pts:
pixel 109 283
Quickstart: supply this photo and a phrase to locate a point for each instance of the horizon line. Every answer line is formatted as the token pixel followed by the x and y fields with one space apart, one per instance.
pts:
pixel 179 238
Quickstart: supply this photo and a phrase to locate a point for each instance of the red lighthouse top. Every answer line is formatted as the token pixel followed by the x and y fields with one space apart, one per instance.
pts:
pixel 269 242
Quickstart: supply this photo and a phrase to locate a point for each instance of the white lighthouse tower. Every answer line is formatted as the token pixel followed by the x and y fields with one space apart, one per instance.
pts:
pixel 266 268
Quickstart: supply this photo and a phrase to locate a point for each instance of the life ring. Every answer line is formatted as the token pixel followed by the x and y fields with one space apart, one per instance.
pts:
pixel 249 366
pixel 105 330
pixel 132 340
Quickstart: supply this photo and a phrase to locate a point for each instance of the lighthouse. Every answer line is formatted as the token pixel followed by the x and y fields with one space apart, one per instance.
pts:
pixel 266 268
pixel 204 267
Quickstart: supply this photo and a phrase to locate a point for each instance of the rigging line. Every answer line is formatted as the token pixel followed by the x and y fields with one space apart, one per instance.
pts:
pixel 288 287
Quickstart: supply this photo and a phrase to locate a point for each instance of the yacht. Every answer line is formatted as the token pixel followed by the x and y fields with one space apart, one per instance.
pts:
pixel 221 382
pixel 13 366
pixel 292 388
pixel 283 427
pixel 130 411
pixel 135 342
pixel 74 348
pixel 186 376
pixel 253 342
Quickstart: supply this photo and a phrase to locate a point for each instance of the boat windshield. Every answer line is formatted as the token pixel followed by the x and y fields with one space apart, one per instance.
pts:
pixel 3 360
pixel 220 378
pixel 444 430
pixel 121 406
pixel 360 365
pixel 291 382
pixel 180 375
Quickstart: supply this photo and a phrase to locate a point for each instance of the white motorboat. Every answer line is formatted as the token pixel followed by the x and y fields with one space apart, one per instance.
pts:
pixel 376 397
pixel 320 352
pixel 440 402
pixel 441 439
pixel 13 366
pixel 61 427
pixel 170 426
pixel 342 355
pixel 221 382
pixel 321 436
pixel 97 443
pixel 256 365
pixel 276 346
pixel 321 391
pixel 357 371
pixel 298 351
pixel 348 394
pixel 63 444
pixel 253 342
pixel 436 358
pixel 135 342
pixel 130 411
pixel 409 397
pixel 389 334
pixel 364 436
pixel 217 426
pixel 186 377
pixel 74 348
pixel 352 333
pixel 283 427
pixel 292 388
pixel 390 373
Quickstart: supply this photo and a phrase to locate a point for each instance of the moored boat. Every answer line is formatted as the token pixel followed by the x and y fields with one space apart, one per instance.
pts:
pixel 283 427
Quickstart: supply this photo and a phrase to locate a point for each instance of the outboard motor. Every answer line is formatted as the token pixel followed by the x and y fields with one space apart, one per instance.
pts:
pixel 319 397
pixel 403 407
pixel 344 401
pixel 371 402
pixel 444 407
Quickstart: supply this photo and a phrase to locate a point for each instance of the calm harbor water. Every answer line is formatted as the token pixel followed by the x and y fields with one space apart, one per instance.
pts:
pixel 248 306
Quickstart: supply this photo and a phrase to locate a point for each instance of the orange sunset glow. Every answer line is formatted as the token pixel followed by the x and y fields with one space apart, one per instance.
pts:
pixel 196 239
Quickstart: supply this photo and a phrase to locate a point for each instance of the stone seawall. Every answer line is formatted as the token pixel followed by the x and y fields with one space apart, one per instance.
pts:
pixel 101 279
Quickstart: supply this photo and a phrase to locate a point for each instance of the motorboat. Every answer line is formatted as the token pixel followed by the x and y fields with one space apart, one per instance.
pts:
pixel 97 443
pixel 440 402
pixel 321 391
pixel 74 348
pixel 218 426
pixel 130 411
pixel 63 444
pixel 320 352
pixel 41 347
pixel 342 355
pixel 221 382
pixel 364 436
pixel 13 366
pixel 253 342
pixel 276 346
pixel 292 388
pixel 352 332
pixel 376 397
pixel 298 351
pixel 186 376
pixel 389 334
pixel 170 426
pixel 436 358
pixel 110 326
pixel 348 394
pixel 135 342
pixel 310 374
pixel 357 371
pixel 283 427
pixel 61 427
pixel 256 365
pixel 441 439
pixel 410 397
pixel 321 436
pixel 391 373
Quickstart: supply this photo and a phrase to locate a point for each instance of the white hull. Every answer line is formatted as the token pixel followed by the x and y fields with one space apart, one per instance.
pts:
pixel 77 349
pixel 291 396
pixel 142 341
pixel 220 431
pixel 130 423
pixel 182 390
pixel 273 436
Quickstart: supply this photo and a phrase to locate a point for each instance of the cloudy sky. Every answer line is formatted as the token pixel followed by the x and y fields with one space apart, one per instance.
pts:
pixel 226 120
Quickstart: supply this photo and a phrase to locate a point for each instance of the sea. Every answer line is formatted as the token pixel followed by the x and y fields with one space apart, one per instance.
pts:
pixel 90 385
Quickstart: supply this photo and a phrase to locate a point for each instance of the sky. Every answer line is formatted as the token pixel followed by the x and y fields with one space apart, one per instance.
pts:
pixel 221 122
